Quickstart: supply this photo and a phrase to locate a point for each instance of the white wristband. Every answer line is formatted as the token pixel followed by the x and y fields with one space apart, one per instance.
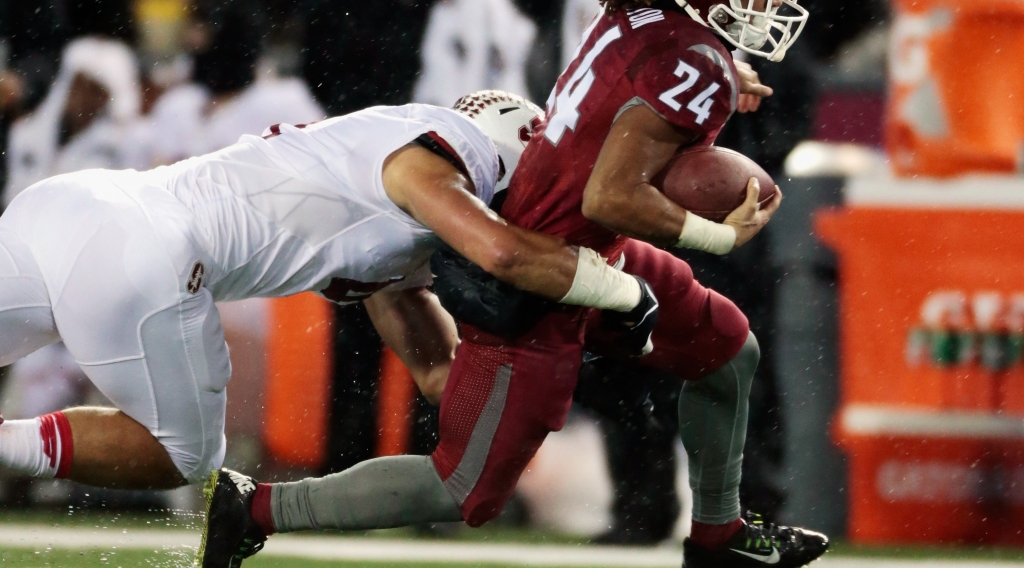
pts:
pixel 708 236
pixel 598 285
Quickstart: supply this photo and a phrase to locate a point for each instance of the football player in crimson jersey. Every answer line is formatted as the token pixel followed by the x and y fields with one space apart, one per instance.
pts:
pixel 650 77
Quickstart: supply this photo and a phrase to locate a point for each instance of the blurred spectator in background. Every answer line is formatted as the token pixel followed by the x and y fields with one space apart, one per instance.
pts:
pixel 226 97
pixel 32 35
pixel 83 121
pixel 472 45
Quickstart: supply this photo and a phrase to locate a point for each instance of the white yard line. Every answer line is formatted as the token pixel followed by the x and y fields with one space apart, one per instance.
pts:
pixel 375 549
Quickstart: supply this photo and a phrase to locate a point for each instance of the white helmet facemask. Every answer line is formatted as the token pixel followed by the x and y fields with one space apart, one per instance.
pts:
pixel 764 33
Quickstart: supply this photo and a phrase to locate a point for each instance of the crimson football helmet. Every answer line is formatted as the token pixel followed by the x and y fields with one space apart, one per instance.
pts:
pixel 762 32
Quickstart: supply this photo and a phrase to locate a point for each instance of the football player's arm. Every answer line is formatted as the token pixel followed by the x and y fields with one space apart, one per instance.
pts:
pixel 415 326
pixel 619 194
pixel 436 194
pixel 439 196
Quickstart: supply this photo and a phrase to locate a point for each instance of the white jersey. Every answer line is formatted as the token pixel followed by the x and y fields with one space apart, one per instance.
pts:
pixel 305 208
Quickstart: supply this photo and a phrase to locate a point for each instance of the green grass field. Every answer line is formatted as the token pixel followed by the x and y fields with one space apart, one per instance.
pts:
pixel 182 557
pixel 133 559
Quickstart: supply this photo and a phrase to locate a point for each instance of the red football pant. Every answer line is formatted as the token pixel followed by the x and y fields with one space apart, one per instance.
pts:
pixel 504 397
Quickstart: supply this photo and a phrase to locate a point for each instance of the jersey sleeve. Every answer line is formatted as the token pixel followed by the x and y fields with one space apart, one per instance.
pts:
pixel 473 148
pixel 421 277
pixel 692 88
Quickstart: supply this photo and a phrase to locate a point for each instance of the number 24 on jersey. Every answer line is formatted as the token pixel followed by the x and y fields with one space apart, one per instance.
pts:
pixel 568 100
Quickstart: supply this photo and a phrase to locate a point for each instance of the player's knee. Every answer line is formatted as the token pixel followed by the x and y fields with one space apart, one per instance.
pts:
pixel 478 512
pixel 733 380
pixel 195 461
pixel 747 359
pixel 481 501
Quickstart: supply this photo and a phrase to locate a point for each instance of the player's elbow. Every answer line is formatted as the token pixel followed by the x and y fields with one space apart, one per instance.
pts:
pixel 598 208
pixel 502 260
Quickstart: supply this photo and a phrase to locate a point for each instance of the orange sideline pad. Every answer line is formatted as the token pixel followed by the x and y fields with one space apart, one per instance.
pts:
pixel 298 380
pixel 914 488
pixel 298 386
pixel 395 396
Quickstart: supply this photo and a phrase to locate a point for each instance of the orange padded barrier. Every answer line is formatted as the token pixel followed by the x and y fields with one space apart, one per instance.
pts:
pixel 395 395
pixel 298 380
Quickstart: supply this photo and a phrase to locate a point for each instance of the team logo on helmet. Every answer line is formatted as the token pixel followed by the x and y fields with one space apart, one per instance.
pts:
pixel 509 120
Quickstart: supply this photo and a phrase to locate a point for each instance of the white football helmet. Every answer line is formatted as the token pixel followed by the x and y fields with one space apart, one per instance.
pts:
pixel 508 120
pixel 748 28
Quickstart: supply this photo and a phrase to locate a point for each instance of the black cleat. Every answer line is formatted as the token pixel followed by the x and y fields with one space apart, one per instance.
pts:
pixel 230 535
pixel 759 545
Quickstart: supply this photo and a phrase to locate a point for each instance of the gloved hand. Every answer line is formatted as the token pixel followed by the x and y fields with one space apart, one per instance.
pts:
pixel 636 325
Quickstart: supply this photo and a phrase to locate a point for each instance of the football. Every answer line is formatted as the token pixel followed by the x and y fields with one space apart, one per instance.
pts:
pixel 711 181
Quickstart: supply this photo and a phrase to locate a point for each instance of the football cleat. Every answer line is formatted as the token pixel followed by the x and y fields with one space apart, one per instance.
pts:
pixel 759 545
pixel 231 534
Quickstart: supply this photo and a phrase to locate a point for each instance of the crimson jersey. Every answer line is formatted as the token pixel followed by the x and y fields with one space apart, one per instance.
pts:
pixel 657 58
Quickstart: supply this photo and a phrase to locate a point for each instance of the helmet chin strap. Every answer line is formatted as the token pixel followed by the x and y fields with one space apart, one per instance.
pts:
pixel 693 13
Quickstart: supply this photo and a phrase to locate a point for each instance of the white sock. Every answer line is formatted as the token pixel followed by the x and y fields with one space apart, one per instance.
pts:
pixel 40 447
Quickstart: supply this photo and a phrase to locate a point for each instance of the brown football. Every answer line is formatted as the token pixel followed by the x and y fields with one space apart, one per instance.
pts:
pixel 711 181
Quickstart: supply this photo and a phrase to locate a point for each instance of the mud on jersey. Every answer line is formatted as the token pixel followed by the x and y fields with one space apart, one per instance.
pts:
pixel 657 58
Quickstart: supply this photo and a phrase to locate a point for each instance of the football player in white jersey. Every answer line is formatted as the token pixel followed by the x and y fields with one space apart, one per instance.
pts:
pixel 125 267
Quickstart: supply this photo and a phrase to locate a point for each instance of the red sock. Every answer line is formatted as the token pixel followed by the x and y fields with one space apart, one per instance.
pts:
pixel 260 509
pixel 714 536
pixel 57 442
